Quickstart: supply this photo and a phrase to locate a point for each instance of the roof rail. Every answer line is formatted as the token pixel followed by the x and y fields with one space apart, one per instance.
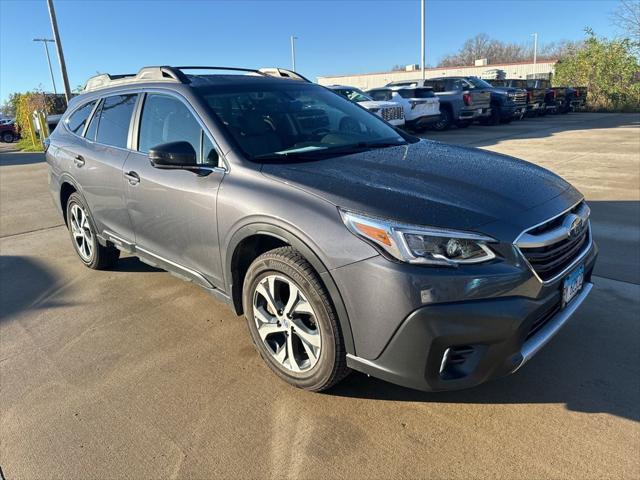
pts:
pixel 283 73
pixel 238 69
pixel 176 75
pixel 146 74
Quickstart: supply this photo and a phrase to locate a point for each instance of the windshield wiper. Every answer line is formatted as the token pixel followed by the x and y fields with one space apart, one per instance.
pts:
pixel 328 151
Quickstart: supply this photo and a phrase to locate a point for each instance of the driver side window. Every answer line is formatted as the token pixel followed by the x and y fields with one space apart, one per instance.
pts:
pixel 166 119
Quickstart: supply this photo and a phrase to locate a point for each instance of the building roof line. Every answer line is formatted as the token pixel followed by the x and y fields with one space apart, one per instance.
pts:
pixel 491 65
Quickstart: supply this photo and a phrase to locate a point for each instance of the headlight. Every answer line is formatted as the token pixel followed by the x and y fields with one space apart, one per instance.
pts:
pixel 423 245
pixel 374 110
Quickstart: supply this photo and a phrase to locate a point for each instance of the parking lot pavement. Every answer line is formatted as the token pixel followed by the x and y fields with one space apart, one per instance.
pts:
pixel 132 373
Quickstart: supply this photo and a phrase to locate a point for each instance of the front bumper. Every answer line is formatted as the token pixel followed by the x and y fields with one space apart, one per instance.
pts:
pixel 497 334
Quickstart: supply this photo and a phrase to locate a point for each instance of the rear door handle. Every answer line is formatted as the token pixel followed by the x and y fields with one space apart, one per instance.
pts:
pixel 79 161
pixel 132 177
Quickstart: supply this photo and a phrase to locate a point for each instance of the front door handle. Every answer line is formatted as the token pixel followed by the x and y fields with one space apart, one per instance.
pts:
pixel 133 177
pixel 79 161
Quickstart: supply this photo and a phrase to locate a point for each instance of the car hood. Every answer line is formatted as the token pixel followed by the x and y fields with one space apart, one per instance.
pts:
pixel 426 183
pixel 369 104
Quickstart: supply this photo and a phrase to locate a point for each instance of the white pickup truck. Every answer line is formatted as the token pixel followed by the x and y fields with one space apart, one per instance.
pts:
pixel 392 112
pixel 421 106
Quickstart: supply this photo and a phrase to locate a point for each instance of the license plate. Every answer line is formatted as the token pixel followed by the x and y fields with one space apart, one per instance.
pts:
pixel 572 285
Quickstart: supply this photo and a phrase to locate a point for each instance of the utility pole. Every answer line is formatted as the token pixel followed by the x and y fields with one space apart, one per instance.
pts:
pixel 535 47
pixel 45 41
pixel 293 52
pixel 56 37
pixel 422 53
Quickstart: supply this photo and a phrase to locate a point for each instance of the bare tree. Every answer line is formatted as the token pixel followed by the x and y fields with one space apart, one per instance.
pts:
pixel 483 46
pixel 496 51
pixel 627 18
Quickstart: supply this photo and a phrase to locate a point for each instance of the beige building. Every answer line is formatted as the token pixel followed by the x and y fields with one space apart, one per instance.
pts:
pixel 507 70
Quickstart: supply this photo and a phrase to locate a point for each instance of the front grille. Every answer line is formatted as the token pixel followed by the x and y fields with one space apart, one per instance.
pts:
pixel 520 98
pixel 392 113
pixel 553 258
pixel 542 320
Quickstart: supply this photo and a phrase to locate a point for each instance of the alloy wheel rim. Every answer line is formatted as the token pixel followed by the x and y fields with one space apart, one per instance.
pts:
pixel 286 323
pixel 81 231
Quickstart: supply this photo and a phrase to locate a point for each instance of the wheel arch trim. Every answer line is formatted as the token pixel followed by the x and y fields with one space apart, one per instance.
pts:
pixel 269 229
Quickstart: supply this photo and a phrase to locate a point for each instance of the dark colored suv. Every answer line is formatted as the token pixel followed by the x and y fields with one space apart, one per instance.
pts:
pixel 345 243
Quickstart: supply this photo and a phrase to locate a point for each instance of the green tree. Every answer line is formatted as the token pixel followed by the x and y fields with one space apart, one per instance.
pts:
pixel 610 71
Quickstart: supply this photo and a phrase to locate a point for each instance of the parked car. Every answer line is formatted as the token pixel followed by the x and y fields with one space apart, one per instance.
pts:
pixel 421 106
pixel 460 102
pixel 346 243
pixel 535 95
pixel 577 97
pixel 556 100
pixel 8 132
pixel 392 112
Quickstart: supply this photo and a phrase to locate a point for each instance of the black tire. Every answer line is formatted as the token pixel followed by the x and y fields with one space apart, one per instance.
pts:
pixel 8 137
pixel 506 120
pixel 494 119
pixel 288 263
pixel 101 257
pixel 542 112
pixel 444 122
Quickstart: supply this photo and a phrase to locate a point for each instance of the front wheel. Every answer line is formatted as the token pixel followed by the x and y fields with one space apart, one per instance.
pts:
pixel 7 137
pixel 84 238
pixel 292 321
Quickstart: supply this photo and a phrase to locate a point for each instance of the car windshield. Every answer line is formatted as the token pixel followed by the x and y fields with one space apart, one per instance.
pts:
pixel 289 120
pixel 478 83
pixel 354 95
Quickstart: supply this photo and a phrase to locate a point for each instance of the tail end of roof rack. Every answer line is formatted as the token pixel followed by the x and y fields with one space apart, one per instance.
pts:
pixel 146 74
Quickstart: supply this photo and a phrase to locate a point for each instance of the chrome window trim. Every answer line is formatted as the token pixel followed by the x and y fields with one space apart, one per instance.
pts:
pixel 98 101
pixel 572 265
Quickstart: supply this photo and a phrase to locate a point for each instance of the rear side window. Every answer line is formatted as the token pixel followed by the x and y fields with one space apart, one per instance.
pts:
pixel 78 119
pixel 437 85
pixel 114 119
pixel 381 95
pixel 407 93
pixel 416 93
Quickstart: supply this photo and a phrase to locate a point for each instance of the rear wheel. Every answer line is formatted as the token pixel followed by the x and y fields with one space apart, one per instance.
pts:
pixel 292 321
pixel 444 122
pixel 84 238
pixel 7 137
pixel 493 119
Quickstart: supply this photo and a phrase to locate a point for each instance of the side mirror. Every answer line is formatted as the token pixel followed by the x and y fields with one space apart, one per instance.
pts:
pixel 173 155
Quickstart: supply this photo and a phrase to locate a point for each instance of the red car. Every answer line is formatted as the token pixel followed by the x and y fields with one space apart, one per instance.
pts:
pixel 8 132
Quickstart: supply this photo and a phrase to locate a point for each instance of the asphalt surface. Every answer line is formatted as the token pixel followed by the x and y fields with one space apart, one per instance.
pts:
pixel 132 373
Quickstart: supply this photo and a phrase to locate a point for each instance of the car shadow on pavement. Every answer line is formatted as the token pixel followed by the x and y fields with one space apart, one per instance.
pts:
pixel 534 127
pixel 26 283
pixel 18 158
pixel 133 265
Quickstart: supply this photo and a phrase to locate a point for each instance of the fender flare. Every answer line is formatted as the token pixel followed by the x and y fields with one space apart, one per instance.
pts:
pixel 299 244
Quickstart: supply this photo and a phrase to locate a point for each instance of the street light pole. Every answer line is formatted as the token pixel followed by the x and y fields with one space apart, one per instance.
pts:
pixel 422 53
pixel 535 47
pixel 56 37
pixel 293 52
pixel 45 41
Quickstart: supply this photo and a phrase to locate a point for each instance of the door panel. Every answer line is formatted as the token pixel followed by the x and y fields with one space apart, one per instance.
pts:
pixel 174 215
pixel 98 167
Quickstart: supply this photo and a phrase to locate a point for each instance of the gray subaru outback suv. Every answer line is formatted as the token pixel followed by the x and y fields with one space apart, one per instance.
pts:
pixel 345 243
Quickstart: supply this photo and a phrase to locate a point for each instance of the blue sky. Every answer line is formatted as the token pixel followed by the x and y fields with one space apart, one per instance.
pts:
pixel 335 36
